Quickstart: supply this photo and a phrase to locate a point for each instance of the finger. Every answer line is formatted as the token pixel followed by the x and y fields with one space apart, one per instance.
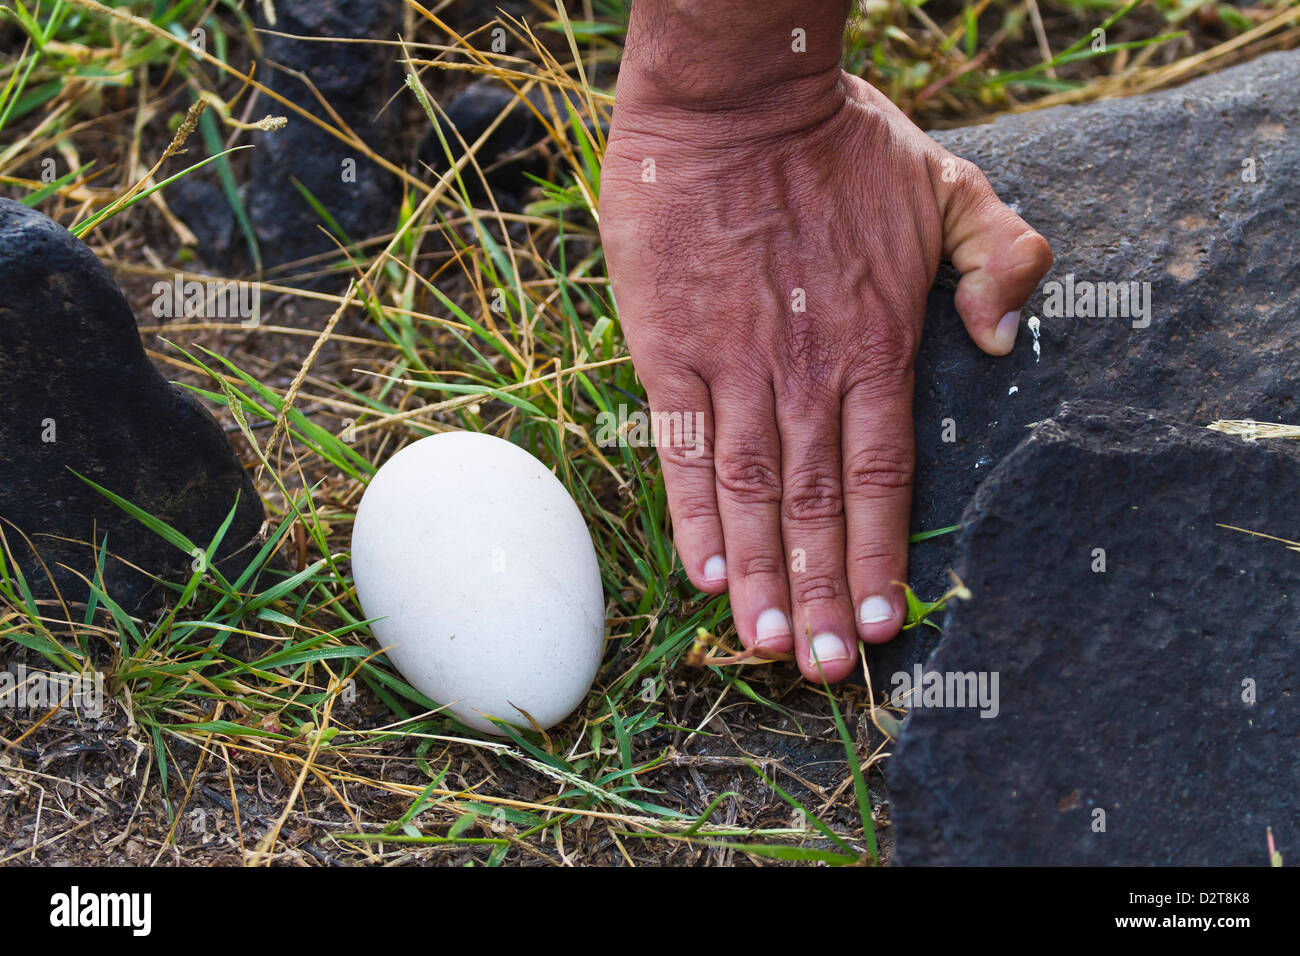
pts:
pixel 812 528
pixel 685 454
pixel 1000 257
pixel 878 466
pixel 747 466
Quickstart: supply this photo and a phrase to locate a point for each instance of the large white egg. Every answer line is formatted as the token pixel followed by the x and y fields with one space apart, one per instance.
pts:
pixel 482 571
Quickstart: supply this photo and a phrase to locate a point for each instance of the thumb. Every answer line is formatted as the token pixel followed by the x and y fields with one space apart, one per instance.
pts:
pixel 1000 258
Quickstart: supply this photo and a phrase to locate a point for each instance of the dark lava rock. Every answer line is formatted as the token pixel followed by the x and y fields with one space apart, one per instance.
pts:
pixel 1159 697
pixel 357 80
pixel 79 395
pixel 1152 189
pixel 199 202
pixel 504 155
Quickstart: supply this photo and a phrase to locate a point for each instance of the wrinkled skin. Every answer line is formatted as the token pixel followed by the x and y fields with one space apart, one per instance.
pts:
pixel 833 201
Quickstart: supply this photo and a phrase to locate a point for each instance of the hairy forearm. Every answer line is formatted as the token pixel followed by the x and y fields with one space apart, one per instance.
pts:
pixel 720 54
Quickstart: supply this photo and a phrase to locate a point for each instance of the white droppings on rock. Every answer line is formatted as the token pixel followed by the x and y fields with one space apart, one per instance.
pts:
pixel 1034 326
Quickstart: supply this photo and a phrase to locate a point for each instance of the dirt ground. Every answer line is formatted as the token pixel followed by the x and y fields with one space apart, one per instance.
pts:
pixel 81 791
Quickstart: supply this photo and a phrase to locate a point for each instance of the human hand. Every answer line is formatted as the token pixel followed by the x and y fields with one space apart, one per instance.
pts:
pixel 772 273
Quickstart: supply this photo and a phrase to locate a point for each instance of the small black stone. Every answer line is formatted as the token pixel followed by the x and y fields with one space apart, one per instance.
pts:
pixel 1148 658
pixel 505 157
pixel 80 395
pixel 199 202
pixel 502 156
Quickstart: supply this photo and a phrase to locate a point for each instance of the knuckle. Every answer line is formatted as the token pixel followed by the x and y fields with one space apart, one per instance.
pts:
pixel 976 193
pixel 695 509
pixel 749 476
pixel 973 177
pixel 1035 255
pixel 875 553
pixel 878 473
pixel 810 353
pixel 816 589
pixel 889 366
pixel 961 175
pixel 686 456
pixel 757 564
pixel 812 494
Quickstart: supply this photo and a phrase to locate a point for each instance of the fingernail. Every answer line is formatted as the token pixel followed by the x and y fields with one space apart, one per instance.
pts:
pixel 715 569
pixel 829 647
pixel 772 625
pixel 1005 334
pixel 875 610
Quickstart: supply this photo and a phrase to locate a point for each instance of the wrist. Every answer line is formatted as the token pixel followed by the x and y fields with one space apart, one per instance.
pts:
pixel 718 55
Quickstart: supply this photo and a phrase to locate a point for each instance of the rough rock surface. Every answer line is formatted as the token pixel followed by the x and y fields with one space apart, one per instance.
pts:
pixel 1154 189
pixel 78 393
pixel 1162 691
pixel 356 79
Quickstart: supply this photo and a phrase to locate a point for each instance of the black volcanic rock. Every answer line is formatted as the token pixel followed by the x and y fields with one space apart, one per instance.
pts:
pixel 79 395
pixel 1156 188
pixel 1147 658
pixel 199 202
pixel 357 80
pixel 503 155
pixel 506 156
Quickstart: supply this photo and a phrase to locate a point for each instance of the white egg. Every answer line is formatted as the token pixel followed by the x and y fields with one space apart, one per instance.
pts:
pixel 482 571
